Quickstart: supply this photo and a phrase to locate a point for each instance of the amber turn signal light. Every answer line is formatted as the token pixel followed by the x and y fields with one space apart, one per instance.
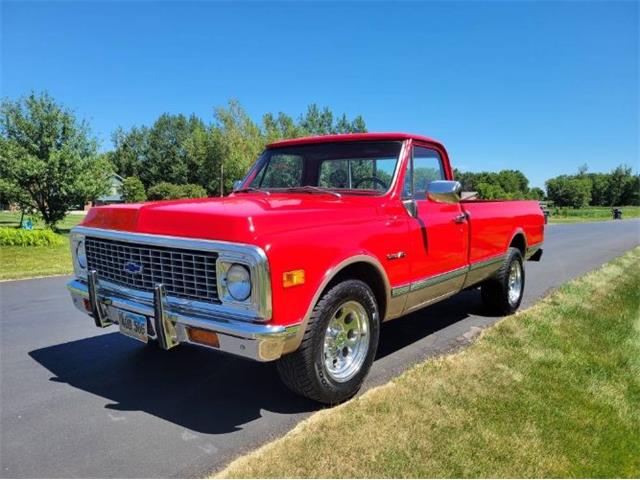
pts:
pixel 292 278
pixel 205 337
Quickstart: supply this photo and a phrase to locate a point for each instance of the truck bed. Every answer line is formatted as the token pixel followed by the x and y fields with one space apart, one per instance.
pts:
pixel 493 223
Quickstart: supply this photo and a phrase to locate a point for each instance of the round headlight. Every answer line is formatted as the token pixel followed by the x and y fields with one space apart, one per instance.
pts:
pixel 81 255
pixel 239 282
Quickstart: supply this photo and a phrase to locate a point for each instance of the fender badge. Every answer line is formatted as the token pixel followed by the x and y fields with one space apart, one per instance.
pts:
pixel 396 256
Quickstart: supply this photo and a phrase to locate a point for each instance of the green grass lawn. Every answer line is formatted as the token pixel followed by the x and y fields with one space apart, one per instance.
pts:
pixel 25 262
pixel 553 391
pixel 12 219
pixel 589 214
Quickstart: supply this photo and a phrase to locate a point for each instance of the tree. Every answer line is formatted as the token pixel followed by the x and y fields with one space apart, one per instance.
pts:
pixel 600 194
pixel 170 191
pixel 322 122
pixel 569 191
pixel 131 149
pixel 280 127
pixel 619 187
pixel 631 193
pixel 536 193
pixel 167 158
pixel 159 153
pixel 191 190
pixel 619 181
pixel 179 150
pixel 582 170
pixel 133 190
pixel 10 194
pixel 490 191
pixel 238 141
pixel 203 157
pixel 358 125
pixel 163 191
pixel 49 157
pixel 316 121
pixel 514 183
pixel 505 184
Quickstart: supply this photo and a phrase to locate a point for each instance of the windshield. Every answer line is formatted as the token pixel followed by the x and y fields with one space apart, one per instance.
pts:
pixel 349 167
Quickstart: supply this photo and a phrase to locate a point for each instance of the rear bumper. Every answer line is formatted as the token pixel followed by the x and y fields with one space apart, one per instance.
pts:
pixel 169 325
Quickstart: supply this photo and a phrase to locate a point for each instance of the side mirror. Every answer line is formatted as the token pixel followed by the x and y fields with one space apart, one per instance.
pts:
pixel 444 191
pixel 237 185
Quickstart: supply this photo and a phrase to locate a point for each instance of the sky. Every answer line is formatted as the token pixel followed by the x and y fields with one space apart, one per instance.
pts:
pixel 543 87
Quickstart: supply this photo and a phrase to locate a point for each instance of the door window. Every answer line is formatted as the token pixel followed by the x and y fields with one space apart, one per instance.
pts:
pixel 425 167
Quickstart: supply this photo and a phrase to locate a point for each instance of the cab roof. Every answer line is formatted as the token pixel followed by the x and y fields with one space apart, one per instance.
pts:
pixel 352 137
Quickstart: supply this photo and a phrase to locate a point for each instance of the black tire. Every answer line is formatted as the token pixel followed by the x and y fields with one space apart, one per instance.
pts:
pixel 495 291
pixel 304 371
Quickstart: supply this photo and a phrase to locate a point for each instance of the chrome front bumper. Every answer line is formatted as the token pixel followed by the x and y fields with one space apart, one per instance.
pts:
pixel 170 323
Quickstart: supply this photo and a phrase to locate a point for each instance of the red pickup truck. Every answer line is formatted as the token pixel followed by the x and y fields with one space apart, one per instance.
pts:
pixel 325 239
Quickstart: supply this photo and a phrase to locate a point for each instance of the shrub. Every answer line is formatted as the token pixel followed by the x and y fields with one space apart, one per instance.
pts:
pixel 133 190
pixel 568 191
pixel 191 190
pixel 163 191
pixel 17 237
pixel 170 191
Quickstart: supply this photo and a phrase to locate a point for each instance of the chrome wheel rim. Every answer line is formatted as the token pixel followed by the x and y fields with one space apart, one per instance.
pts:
pixel 346 341
pixel 515 282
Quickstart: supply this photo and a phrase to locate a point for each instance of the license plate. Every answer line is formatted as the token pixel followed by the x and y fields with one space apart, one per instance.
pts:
pixel 134 326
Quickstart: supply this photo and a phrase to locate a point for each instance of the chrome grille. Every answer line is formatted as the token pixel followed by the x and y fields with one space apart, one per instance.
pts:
pixel 189 274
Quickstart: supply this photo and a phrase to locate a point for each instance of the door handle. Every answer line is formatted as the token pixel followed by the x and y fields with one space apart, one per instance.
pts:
pixel 461 218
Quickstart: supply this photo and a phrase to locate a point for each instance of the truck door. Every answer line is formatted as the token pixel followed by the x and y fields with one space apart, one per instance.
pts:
pixel 438 233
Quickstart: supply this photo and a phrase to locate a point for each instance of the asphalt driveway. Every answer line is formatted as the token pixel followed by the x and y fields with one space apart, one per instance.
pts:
pixel 81 402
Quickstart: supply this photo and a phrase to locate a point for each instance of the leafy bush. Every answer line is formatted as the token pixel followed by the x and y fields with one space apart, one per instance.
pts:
pixel 17 237
pixel 169 191
pixel 570 191
pixel 133 190
pixel 163 191
pixel 191 190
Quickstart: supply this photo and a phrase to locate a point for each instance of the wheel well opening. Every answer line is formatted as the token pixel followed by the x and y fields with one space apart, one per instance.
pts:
pixel 368 274
pixel 520 243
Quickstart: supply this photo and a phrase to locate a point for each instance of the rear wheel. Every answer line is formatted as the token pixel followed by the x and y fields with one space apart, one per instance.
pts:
pixel 338 347
pixel 502 293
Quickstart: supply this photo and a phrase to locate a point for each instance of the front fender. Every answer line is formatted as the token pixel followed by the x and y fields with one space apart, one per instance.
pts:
pixel 325 251
pixel 321 284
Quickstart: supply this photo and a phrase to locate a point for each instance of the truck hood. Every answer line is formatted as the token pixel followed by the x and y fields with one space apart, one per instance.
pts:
pixel 245 218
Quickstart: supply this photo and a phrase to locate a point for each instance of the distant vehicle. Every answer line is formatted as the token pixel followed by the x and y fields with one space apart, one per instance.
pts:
pixel 325 239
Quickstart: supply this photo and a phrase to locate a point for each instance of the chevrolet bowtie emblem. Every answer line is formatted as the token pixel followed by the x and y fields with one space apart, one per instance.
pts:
pixel 132 268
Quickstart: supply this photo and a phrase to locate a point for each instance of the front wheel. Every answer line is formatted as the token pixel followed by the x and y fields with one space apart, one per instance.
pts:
pixel 338 346
pixel 502 293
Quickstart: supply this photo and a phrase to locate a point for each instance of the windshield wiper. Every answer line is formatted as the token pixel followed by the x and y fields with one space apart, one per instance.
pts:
pixel 313 189
pixel 251 189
